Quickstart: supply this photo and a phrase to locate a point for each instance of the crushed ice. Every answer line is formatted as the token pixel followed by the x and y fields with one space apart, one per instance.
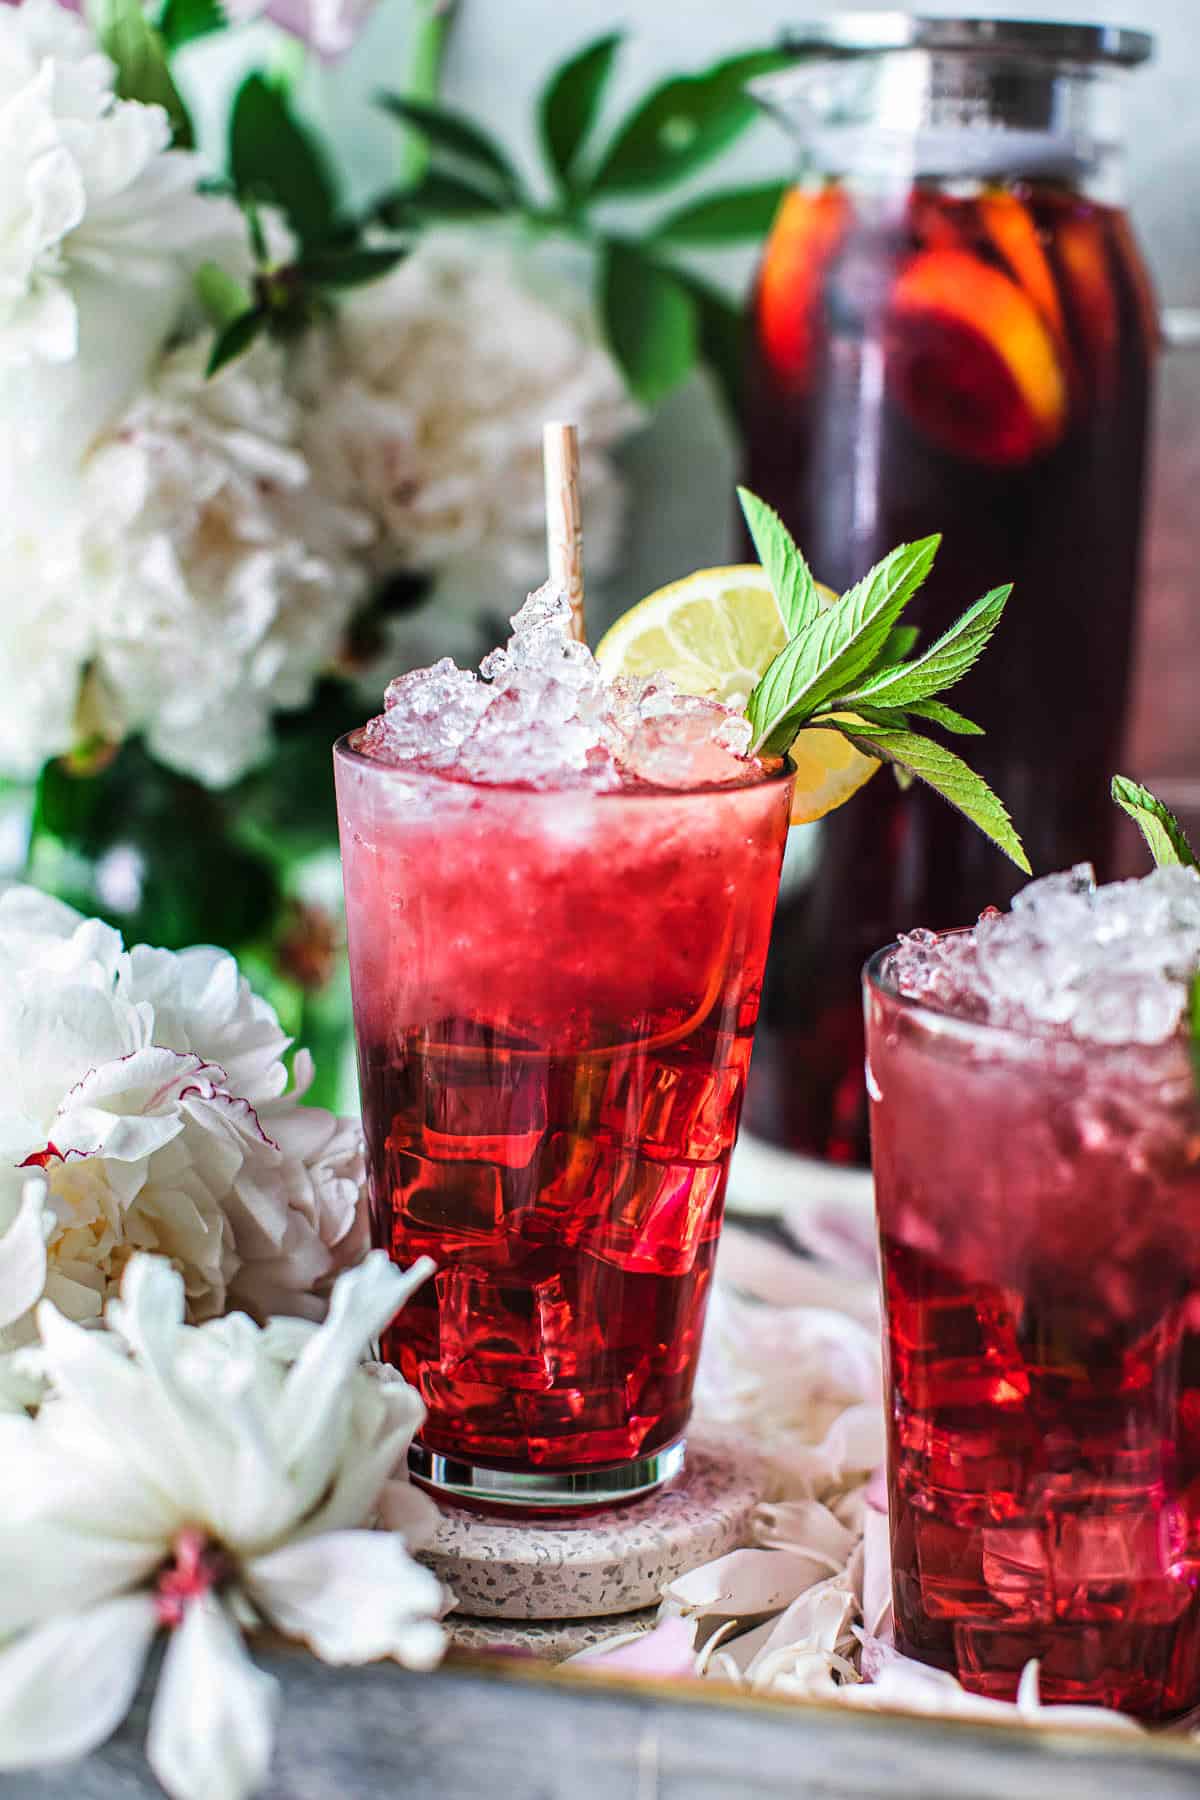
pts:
pixel 1110 965
pixel 540 713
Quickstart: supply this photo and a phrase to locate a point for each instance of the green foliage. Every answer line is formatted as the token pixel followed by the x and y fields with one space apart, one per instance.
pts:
pixel 681 125
pixel 181 21
pixel 834 674
pixel 650 320
pixel 140 54
pixel 726 218
pixel 220 294
pixel 235 338
pixel 570 103
pixel 660 318
pixel 1165 837
pixel 455 139
pixel 276 160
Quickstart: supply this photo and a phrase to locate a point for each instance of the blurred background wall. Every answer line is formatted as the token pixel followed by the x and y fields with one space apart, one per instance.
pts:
pixel 681 471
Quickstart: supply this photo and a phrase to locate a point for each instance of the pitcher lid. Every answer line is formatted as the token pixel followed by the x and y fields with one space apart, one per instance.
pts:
pixel 865 33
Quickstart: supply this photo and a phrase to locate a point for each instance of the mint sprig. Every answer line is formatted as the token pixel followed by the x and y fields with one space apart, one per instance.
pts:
pixel 1168 845
pixel 1165 837
pixel 844 669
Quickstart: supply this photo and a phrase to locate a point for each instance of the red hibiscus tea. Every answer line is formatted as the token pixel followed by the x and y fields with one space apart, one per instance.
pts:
pixel 971 357
pixel 1036 1139
pixel 556 979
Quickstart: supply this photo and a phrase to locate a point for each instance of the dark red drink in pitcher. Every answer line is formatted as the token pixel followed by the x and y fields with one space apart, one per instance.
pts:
pixel 954 332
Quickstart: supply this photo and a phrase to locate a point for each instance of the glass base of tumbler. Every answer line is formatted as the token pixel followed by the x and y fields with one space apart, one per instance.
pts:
pixel 544 1490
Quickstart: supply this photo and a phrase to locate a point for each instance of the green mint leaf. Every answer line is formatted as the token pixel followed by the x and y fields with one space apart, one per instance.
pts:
pixel 460 138
pixel 222 297
pixel 236 338
pixel 949 776
pixel 786 570
pixel 126 35
pixel 1165 837
pixel 938 713
pixel 726 218
pixel 649 319
pixel 274 158
pixel 828 655
pixel 945 661
pixel 680 126
pixel 348 268
pixel 900 642
pixel 438 195
pixel 570 102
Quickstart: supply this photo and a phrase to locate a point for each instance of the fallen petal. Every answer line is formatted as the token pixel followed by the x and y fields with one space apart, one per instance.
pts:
pixel 666 1653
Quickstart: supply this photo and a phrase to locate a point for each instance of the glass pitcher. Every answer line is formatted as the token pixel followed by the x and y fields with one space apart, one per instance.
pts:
pixel 954 332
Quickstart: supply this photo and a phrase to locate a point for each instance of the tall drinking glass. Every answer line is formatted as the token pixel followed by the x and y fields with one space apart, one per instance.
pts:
pixel 1039 1228
pixel 554 996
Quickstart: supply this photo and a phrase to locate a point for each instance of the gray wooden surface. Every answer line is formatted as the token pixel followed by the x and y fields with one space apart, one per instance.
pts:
pixel 504 1732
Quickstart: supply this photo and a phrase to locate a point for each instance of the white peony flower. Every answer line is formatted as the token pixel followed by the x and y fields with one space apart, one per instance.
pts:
pixel 426 405
pixel 220 577
pixel 90 181
pixel 101 227
pixel 146 1107
pixel 197 1480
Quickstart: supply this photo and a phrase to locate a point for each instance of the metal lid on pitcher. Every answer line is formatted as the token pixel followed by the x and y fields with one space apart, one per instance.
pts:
pixel 869 33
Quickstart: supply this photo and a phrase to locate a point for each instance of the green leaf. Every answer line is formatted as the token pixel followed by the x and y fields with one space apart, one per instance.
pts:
pixel 945 661
pixel 650 320
pixel 274 158
pixel 786 570
pixel 570 102
pixel 949 776
pixel 439 195
pixel 680 126
pixel 834 649
pixel 1165 837
pixel 348 268
pixel 236 337
pixel 457 137
pixel 127 36
pixel 182 21
pixel 222 297
pixel 939 714
pixel 726 218
pixel 900 641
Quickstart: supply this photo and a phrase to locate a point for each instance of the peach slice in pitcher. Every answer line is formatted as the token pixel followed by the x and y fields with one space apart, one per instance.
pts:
pixel 807 232
pixel 1011 228
pixel 1082 244
pixel 972 363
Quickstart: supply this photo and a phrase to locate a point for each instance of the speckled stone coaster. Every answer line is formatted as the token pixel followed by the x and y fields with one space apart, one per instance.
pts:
pixel 615 1561
pixel 553 1640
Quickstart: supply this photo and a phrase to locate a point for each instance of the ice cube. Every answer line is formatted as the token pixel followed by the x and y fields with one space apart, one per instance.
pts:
pixel 674 740
pixel 498 1327
pixel 428 714
pixel 1108 965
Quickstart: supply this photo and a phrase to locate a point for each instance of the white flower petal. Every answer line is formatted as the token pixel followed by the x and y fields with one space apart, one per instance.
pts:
pixel 66 1686
pixel 212 1725
pixel 364 1301
pixel 23 1254
pixel 352 1596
